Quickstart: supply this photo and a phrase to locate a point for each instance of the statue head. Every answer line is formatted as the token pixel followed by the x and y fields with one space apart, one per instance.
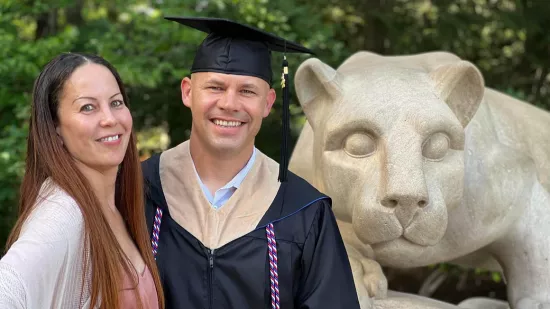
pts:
pixel 388 141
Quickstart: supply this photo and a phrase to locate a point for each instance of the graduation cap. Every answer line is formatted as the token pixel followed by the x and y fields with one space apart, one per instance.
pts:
pixel 235 48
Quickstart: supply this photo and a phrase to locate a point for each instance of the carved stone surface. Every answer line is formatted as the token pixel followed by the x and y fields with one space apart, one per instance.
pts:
pixel 425 165
pixel 483 303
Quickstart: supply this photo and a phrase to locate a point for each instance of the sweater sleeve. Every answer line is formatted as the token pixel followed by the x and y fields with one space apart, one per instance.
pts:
pixel 35 266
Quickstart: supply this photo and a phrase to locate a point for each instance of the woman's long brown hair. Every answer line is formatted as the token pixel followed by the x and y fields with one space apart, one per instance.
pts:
pixel 48 158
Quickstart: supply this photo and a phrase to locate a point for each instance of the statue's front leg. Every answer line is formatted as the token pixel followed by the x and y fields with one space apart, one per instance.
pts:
pixel 528 303
pixel 368 276
pixel 374 279
pixel 524 253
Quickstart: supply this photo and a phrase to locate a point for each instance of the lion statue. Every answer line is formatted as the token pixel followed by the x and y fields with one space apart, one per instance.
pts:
pixel 424 165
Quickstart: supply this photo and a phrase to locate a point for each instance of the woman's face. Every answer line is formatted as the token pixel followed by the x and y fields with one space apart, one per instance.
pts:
pixel 94 122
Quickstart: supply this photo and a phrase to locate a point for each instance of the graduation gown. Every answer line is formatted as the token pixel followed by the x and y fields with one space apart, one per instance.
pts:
pixel 211 258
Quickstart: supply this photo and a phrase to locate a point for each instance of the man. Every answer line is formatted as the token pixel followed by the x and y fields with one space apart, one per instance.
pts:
pixel 226 231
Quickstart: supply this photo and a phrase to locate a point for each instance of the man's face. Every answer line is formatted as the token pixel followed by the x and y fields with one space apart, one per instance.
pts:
pixel 227 109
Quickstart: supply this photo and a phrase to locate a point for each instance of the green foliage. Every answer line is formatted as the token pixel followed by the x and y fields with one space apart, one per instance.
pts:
pixel 12 152
pixel 508 40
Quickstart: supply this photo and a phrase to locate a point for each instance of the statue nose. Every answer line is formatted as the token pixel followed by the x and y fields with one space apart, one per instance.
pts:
pixel 405 206
pixel 403 181
pixel 406 201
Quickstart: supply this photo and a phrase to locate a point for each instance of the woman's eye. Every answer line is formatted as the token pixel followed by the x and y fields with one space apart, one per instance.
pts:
pixel 87 108
pixel 117 103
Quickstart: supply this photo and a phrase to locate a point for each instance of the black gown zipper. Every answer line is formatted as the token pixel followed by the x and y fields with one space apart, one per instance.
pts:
pixel 211 285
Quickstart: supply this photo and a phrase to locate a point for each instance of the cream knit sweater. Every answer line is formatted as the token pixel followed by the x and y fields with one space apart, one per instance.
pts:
pixel 44 267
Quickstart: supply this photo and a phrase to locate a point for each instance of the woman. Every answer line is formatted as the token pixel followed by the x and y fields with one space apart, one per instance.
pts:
pixel 78 242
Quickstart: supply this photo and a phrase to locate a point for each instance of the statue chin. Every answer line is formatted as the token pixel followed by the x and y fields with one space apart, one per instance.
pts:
pixel 401 252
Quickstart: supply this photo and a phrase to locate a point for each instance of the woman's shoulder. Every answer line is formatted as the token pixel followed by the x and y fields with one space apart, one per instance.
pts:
pixel 50 248
pixel 56 215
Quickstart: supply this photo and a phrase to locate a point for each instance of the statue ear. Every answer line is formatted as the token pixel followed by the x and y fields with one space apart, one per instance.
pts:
pixel 317 84
pixel 461 86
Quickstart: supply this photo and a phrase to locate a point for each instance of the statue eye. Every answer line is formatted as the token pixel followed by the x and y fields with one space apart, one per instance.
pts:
pixel 436 146
pixel 359 145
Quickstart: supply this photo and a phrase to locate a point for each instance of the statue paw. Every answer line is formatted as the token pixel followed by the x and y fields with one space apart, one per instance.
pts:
pixel 374 279
pixel 366 302
pixel 529 303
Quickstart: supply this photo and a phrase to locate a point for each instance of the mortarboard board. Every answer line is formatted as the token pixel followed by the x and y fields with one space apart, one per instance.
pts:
pixel 235 48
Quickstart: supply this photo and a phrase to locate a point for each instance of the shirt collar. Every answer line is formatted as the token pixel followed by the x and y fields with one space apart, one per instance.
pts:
pixel 239 178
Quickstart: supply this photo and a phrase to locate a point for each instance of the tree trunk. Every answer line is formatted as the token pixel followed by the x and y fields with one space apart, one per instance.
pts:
pixel 74 13
pixel 112 12
pixel 374 30
pixel 46 24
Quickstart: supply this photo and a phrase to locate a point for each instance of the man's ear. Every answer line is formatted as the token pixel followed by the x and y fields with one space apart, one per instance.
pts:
pixel 186 91
pixel 270 99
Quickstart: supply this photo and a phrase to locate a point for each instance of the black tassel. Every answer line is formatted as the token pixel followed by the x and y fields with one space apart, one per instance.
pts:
pixel 285 84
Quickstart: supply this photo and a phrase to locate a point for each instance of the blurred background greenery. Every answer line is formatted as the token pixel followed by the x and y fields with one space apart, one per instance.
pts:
pixel 507 39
